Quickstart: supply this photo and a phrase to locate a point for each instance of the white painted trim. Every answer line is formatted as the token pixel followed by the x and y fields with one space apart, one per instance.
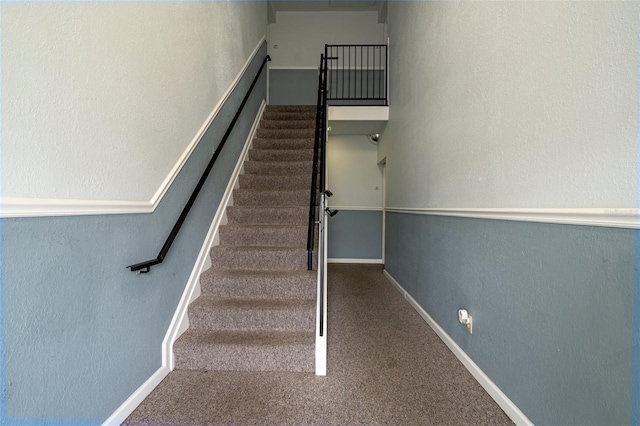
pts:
pixel 357 208
pixel 127 407
pixel 321 305
pixel 606 217
pixel 494 391
pixel 358 113
pixel 180 320
pixel 345 260
pixel 39 207
pixel 293 68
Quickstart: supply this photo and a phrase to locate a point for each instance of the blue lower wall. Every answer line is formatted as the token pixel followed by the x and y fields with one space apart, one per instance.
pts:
pixel 293 86
pixel 355 234
pixel 82 332
pixel 552 307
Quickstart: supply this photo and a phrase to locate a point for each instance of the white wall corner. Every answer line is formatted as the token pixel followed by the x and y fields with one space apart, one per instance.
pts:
pixel 492 389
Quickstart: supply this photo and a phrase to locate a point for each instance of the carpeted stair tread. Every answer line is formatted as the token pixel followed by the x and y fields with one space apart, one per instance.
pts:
pixel 263 215
pixel 260 197
pixel 287 124
pixel 245 350
pixel 286 133
pixel 295 115
pixel 278 167
pixel 280 155
pixel 263 235
pixel 254 284
pixel 256 309
pixel 291 108
pixel 274 143
pixel 266 314
pixel 281 182
pixel 259 258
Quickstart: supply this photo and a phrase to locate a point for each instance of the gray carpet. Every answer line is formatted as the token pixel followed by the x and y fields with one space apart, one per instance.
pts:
pixel 257 307
pixel 385 366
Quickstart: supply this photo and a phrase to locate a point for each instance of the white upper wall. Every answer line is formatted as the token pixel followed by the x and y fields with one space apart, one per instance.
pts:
pixel 352 172
pixel 100 101
pixel 512 104
pixel 301 36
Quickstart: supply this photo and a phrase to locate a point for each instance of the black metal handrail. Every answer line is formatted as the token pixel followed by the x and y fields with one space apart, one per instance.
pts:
pixel 314 176
pixel 144 267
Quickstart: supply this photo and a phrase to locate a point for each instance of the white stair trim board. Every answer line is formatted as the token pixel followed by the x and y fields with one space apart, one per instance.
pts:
pixel 492 389
pixel 180 320
pixel 41 207
pixel 344 260
pixel 136 398
pixel 605 217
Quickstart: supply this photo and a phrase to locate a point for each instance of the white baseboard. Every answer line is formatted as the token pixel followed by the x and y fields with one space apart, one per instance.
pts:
pixel 127 407
pixel 343 260
pixel 180 321
pixel 494 391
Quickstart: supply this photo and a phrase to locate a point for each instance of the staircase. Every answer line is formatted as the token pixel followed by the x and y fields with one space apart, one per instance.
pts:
pixel 257 308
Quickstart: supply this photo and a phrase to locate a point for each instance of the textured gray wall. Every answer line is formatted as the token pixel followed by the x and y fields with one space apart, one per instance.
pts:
pixel 552 307
pixel 83 332
pixel 293 87
pixel 355 235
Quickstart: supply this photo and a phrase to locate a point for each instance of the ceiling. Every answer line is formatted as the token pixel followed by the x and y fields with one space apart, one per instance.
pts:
pixel 325 6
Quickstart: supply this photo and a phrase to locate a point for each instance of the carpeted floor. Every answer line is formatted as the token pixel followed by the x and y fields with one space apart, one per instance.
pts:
pixel 385 366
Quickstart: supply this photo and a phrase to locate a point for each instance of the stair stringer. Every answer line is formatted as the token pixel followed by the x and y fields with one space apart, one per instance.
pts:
pixel 180 321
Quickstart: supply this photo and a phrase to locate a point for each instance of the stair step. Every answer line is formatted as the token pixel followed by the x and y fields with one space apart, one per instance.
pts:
pixel 281 154
pixel 212 313
pixel 264 235
pixel 295 115
pixel 286 133
pixel 259 284
pixel 261 215
pixel 245 351
pixel 287 124
pixel 254 197
pixel 261 143
pixel 291 108
pixel 278 167
pixel 259 258
pixel 276 182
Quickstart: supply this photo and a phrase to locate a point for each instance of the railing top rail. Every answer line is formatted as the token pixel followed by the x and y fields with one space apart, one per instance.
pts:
pixel 365 45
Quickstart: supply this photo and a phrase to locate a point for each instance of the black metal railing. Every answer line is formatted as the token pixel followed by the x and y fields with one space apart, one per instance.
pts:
pixel 144 267
pixel 358 75
pixel 319 142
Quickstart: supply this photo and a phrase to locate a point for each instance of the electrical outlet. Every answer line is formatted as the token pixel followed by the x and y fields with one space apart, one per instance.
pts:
pixel 466 319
